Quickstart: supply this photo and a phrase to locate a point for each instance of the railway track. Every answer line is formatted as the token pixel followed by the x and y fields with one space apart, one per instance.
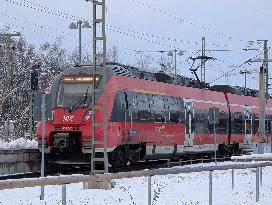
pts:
pixel 155 164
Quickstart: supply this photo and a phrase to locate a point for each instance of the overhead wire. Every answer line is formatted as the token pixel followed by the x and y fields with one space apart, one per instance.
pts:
pixel 65 15
pixel 45 27
pixel 239 66
pixel 179 19
pixel 111 28
pixel 132 33
pixel 31 23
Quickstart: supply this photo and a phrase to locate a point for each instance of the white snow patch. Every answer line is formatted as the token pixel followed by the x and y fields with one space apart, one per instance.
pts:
pixel 180 189
pixel 20 143
pixel 253 156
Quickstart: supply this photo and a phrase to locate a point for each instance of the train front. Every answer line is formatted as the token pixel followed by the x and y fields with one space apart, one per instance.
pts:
pixel 68 134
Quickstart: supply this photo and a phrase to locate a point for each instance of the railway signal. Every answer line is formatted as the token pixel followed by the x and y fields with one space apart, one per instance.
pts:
pixel 34 86
pixel 34 77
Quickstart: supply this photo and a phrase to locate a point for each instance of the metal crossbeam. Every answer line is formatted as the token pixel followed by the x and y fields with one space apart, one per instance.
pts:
pixel 99 63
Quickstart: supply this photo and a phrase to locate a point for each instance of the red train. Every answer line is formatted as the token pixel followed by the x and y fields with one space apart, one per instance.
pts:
pixel 149 115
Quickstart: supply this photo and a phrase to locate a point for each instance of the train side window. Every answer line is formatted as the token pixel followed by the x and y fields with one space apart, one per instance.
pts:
pixel 181 111
pixel 173 108
pixel 255 124
pixel 222 126
pixel 144 113
pixel 126 105
pixel 117 114
pixel 248 125
pixel 238 123
pixel 159 108
pixel 200 120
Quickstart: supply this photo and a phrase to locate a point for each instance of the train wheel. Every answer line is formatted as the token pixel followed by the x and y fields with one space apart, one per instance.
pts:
pixel 119 158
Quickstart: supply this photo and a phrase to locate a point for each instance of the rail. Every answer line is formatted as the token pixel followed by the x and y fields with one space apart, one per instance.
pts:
pixel 63 180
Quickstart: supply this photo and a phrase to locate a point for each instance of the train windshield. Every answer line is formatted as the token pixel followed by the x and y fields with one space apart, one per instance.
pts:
pixel 74 95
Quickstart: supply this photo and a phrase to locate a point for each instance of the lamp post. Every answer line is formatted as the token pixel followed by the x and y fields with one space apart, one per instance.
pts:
pixel 174 53
pixel 245 72
pixel 79 25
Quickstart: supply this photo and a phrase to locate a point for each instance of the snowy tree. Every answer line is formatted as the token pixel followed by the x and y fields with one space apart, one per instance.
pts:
pixel 113 54
pixel 14 98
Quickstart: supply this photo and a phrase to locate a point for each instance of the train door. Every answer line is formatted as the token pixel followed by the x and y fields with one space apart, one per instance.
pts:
pixel 248 125
pixel 189 122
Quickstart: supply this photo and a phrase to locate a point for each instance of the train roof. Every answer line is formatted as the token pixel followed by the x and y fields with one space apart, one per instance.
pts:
pixel 129 71
pixel 160 76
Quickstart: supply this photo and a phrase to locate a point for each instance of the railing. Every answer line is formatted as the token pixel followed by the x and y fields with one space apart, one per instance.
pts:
pixel 63 180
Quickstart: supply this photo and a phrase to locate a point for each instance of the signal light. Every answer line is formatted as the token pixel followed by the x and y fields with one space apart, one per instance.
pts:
pixel 34 77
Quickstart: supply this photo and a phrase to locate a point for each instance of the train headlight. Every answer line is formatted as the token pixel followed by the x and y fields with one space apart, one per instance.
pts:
pixel 87 116
pixel 52 117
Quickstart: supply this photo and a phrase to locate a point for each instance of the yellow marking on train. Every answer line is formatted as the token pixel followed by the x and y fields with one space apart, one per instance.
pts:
pixel 148 92
pixel 82 79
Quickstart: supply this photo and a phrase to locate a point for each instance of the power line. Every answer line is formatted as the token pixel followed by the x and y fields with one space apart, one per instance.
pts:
pixel 65 15
pixel 12 24
pixel 239 66
pixel 37 25
pixel 129 32
pixel 71 17
pixel 41 9
pixel 180 20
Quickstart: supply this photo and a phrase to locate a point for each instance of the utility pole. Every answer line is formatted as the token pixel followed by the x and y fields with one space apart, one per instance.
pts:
pixel 100 69
pixel 203 62
pixel 8 37
pixel 203 59
pixel 43 111
pixel 266 65
pixel 180 53
pixel 266 93
pixel 245 72
pixel 263 88
pixel 79 25
pixel 262 103
pixel 79 41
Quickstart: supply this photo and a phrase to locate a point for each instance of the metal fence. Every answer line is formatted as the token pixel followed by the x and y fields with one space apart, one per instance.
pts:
pixel 64 180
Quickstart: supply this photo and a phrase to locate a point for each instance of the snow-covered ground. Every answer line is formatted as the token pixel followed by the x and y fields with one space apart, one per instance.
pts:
pixel 20 143
pixel 253 157
pixel 181 189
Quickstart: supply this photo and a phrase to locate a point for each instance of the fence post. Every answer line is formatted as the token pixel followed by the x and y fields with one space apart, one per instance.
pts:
pixel 261 175
pixel 257 184
pixel 64 194
pixel 149 190
pixel 232 179
pixel 210 187
pixel 42 193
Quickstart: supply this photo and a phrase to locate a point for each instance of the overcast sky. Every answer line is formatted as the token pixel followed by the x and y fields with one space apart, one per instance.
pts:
pixel 151 25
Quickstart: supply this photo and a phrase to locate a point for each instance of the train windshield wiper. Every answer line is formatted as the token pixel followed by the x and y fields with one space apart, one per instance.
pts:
pixel 81 101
